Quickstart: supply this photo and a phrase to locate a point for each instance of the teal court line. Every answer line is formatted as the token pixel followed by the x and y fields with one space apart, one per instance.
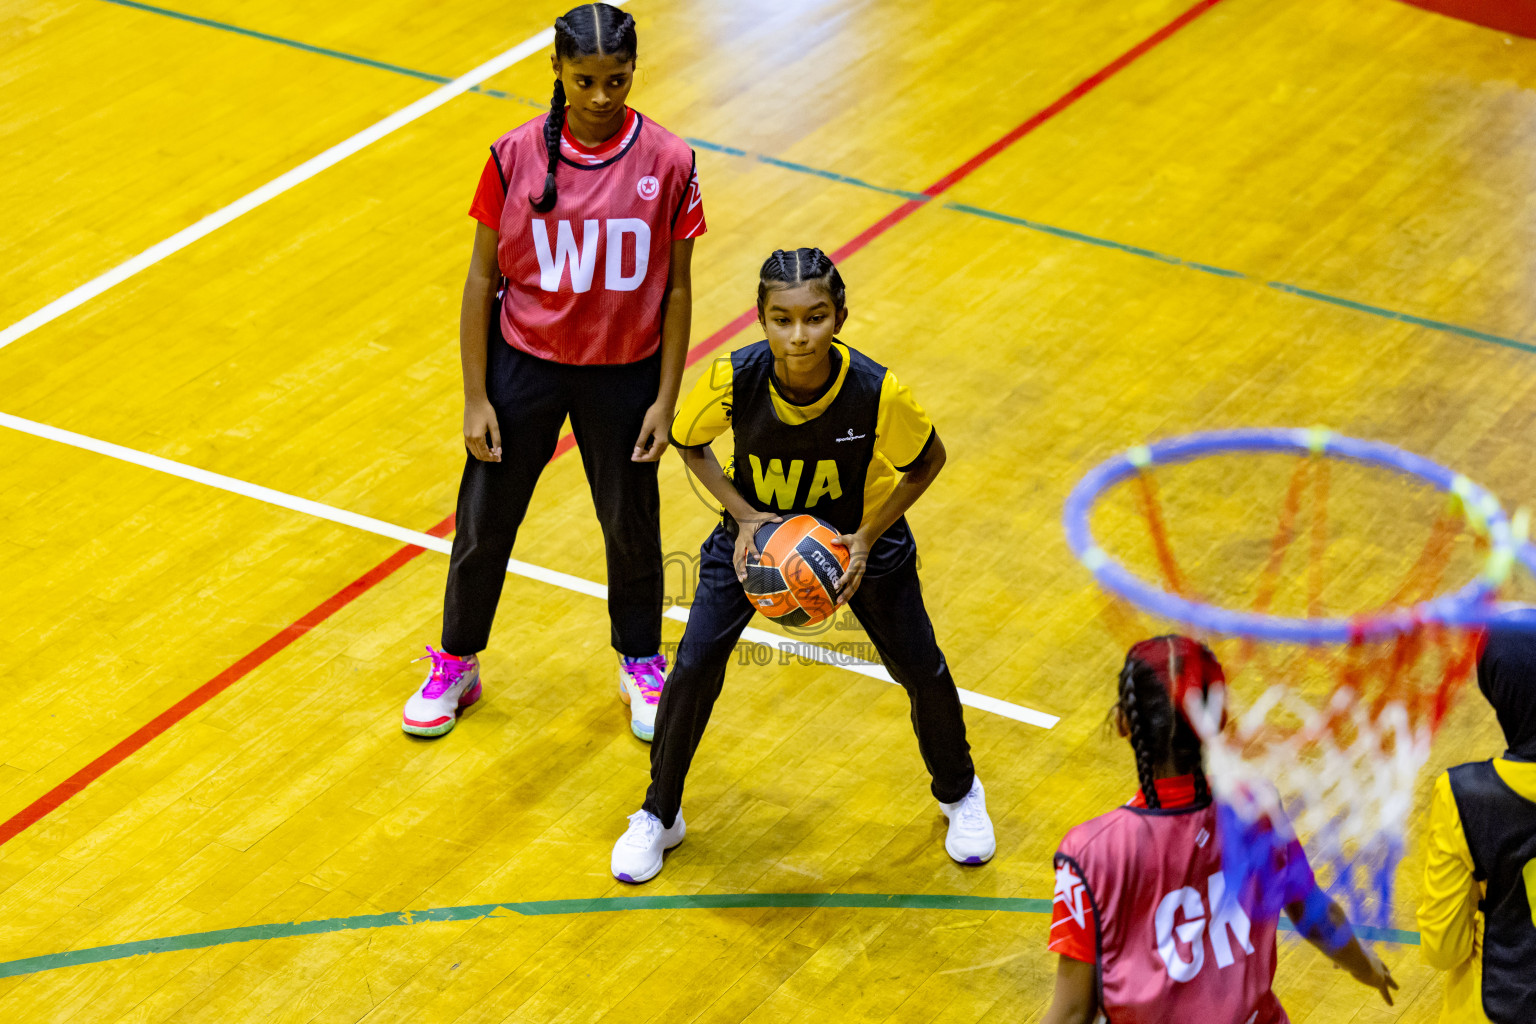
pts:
pixel 1281 286
pixel 267 37
pixel 974 211
pixel 541 908
pixel 253 933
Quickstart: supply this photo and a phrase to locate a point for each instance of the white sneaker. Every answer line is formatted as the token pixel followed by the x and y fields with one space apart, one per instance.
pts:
pixel 640 683
pixel 970 839
pixel 452 685
pixel 637 855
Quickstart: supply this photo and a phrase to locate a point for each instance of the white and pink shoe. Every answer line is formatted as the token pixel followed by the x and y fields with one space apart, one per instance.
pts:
pixel 640 683
pixel 451 686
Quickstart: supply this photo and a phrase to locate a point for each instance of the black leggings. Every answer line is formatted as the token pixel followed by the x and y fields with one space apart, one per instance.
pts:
pixel 532 398
pixel 890 608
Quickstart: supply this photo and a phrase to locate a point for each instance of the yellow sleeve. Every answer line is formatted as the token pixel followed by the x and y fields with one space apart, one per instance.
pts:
pixel 902 428
pixel 705 413
pixel 1448 909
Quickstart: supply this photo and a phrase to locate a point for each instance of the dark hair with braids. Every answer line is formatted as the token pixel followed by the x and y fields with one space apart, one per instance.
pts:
pixel 591 30
pixel 1156 676
pixel 800 266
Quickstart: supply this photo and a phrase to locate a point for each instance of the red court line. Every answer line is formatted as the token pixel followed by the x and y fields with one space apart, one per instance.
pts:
pixel 55 797
pixel 213 687
pixel 957 175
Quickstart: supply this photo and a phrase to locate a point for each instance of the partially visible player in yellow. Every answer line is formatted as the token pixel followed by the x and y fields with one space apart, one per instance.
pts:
pixel 1477 918
pixel 819 428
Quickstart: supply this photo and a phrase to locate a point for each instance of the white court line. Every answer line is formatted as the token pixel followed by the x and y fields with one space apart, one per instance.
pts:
pixel 276 187
pixel 787 647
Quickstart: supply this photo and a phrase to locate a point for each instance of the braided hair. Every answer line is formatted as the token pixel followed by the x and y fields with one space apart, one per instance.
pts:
pixel 1153 682
pixel 591 30
pixel 799 266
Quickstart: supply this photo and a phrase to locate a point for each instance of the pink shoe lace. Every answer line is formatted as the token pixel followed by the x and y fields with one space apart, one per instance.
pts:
pixel 446 670
pixel 648 674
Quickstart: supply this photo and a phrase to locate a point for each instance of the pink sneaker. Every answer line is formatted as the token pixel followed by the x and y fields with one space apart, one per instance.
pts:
pixel 640 683
pixel 451 686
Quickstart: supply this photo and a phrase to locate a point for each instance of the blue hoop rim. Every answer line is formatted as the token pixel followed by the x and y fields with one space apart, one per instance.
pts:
pixel 1471 605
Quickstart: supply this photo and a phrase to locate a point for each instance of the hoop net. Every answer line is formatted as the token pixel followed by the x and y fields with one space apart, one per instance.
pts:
pixel 1330 719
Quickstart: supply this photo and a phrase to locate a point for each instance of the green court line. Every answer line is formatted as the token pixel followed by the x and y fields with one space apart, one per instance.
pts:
pixel 716 147
pixel 729 901
pixel 1105 243
pixel 975 211
pixel 834 176
pixel 1407 318
pixel 540 908
pixel 267 37
pixel 252 933
pixel 1290 289
pixel 281 41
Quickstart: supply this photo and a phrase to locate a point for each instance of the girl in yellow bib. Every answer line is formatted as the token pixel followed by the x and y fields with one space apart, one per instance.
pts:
pixel 819 428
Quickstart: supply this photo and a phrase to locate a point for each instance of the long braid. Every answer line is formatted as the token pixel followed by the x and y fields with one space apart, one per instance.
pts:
pixel 1157 676
pixel 552 128
pixel 1141 742
pixel 612 33
pixel 1187 745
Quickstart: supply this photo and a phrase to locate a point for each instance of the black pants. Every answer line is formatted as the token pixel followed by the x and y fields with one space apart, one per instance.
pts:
pixel 890 608
pixel 532 398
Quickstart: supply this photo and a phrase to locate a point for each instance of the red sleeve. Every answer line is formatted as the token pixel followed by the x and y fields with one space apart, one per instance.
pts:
pixel 690 220
pixel 489 196
pixel 1074 930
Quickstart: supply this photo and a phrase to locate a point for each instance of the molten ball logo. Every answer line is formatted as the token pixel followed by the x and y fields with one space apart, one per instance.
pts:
pixel 648 187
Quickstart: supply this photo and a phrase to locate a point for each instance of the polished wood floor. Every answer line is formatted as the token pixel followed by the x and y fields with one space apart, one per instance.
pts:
pixel 1280 213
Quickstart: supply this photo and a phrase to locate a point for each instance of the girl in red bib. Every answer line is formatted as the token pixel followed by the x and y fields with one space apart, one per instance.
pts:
pixel 1142 919
pixel 577 304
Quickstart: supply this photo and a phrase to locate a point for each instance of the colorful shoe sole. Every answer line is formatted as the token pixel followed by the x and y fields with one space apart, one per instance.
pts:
pixel 444 725
pixel 624 876
pixel 640 729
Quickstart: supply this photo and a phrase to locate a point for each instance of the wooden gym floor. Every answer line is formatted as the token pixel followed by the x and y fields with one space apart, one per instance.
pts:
pixel 1245 212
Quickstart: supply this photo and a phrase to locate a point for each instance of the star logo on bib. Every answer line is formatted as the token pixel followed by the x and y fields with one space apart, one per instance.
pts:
pixel 648 187
pixel 1070 891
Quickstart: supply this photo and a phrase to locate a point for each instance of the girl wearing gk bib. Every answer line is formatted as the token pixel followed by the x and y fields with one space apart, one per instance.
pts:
pixel 577 304
pixel 1147 930
pixel 859 452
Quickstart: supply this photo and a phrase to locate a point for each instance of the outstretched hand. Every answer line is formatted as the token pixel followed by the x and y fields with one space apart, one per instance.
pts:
pixel 1375 974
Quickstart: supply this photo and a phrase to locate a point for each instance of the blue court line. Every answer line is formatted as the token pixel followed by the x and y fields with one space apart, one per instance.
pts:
pixel 541 908
pixel 1078 236
pixel 1407 318
pixel 1281 286
pixel 975 211
pixel 789 165
pixel 267 37
pixel 774 161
